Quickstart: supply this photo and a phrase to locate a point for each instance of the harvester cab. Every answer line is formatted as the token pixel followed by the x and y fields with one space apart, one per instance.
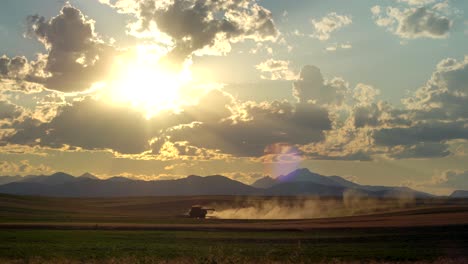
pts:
pixel 198 211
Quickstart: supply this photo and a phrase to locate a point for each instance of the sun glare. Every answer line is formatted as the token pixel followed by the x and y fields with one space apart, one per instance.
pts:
pixel 147 85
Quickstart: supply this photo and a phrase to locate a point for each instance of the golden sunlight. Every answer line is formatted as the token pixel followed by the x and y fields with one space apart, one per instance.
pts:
pixel 145 84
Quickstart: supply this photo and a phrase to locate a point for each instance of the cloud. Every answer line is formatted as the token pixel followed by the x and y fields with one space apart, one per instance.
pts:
pixel 417 2
pixel 76 57
pixel 8 112
pixel 421 133
pixel 421 150
pixel 444 97
pixel 432 119
pixel 328 24
pixel 22 168
pixel 276 70
pixel 365 94
pixel 311 86
pixel 334 47
pixel 217 127
pixel 88 124
pixel 14 68
pixel 420 140
pixel 379 115
pixel 200 27
pixel 455 179
pixel 328 121
pixel 255 127
pixel 413 23
pixel 433 116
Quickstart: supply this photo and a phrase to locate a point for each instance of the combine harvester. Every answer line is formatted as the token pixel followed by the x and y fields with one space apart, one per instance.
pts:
pixel 198 211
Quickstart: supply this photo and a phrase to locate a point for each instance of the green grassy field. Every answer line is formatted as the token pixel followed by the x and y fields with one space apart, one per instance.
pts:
pixel 361 244
pixel 151 230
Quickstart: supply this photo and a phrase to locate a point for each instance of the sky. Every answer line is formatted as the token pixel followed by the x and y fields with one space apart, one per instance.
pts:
pixel 373 91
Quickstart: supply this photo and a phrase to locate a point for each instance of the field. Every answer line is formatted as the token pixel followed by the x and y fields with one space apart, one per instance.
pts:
pixel 149 230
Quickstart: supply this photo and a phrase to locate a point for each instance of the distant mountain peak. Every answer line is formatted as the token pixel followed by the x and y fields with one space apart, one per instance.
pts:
pixel 298 174
pixel 119 179
pixel 88 176
pixel 302 170
pixel 459 194
pixel 265 182
pixel 61 174
pixel 305 175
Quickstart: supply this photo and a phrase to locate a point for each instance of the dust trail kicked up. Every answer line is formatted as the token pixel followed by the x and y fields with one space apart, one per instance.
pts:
pixel 352 203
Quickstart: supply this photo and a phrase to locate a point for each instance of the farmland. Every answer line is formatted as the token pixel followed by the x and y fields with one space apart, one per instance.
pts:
pixel 148 230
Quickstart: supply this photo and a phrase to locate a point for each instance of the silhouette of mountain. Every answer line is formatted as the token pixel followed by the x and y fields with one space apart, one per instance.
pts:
pixel 299 182
pixel 9 179
pixel 344 182
pixel 88 175
pixel 305 175
pixel 119 179
pixel 119 186
pixel 264 183
pixel 54 179
pixel 459 194
pixel 305 182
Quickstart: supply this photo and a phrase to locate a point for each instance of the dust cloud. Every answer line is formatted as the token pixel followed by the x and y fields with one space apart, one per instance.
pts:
pixel 352 203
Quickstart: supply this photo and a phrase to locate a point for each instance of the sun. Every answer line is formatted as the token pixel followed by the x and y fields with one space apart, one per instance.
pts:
pixel 146 85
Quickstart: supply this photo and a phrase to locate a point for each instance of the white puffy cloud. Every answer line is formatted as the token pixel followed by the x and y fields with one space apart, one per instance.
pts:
pixel 445 95
pixel 276 70
pixel 76 57
pixel 454 179
pixel 414 22
pixel 328 24
pixel 311 86
pixel 334 47
pixel 199 27
pixel 417 2
pixel 22 167
pixel 436 114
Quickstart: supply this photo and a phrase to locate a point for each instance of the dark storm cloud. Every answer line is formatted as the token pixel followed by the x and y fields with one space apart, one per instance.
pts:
pixel 76 57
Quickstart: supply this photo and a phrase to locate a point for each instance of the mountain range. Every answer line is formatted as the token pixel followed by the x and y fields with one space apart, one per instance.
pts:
pixel 298 182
